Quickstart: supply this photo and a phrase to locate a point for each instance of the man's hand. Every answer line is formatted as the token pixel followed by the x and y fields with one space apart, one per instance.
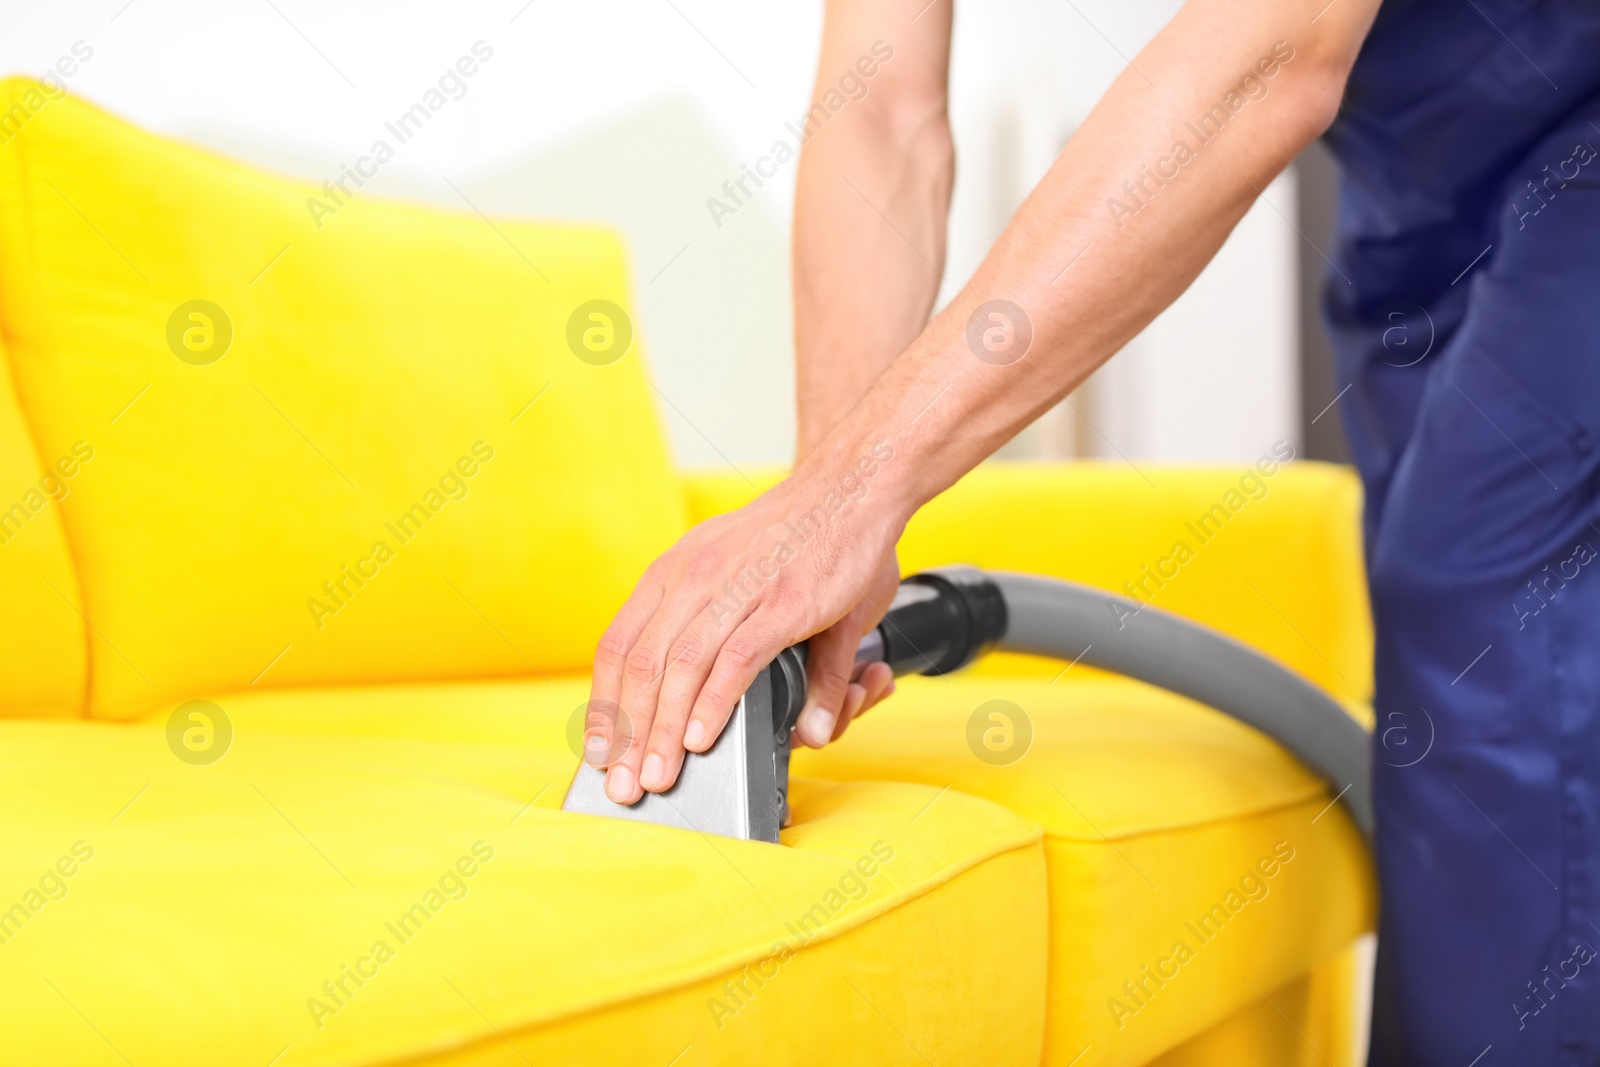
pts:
pixel 814 555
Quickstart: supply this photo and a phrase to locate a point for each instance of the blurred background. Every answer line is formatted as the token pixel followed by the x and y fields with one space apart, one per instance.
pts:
pixel 635 112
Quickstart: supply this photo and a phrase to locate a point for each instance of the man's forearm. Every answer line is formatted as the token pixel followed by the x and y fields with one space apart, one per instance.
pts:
pixel 1086 275
pixel 1134 208
pixel 871 205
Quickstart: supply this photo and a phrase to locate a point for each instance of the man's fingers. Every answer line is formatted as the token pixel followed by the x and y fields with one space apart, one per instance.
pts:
pixel 878 680
pixel 854 697
pixel 606 733
pixel 643 670
pixel 829 662
pixel 874 683
pixel 675 662
pixel 708 706
pixel 750 647
pixel 604 727
pixel 686 672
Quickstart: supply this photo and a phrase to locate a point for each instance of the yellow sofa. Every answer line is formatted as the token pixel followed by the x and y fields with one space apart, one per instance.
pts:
pixel 309 520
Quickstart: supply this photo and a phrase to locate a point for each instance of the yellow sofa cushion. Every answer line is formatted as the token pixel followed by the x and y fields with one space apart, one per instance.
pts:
pixel 1156 812
pixel 42 633
pixel 251 881
pixel 1281 572
pixel 374 456
pixel 1154 809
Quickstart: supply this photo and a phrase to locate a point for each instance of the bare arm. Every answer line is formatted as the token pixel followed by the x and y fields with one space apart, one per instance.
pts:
pixel 1088 260
pixel 1141 199
pixel 871 206
pixel 865 282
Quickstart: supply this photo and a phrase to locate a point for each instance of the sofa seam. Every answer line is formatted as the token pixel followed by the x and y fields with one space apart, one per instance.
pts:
pixel 27 237
pixel 1221 820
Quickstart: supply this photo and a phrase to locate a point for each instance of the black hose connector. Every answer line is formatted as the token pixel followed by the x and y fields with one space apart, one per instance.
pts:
pixel 941 620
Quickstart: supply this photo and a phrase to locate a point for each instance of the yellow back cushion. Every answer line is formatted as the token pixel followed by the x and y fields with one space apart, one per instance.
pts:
pixel 330 446
pixel 41 632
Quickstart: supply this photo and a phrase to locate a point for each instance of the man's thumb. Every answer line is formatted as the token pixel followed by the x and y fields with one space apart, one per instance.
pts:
pixel 829 662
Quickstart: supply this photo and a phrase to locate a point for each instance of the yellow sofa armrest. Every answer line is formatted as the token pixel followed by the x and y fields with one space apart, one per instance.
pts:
pixel 1269 553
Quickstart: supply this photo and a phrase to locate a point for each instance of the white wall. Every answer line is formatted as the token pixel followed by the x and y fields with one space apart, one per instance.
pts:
pixel 633 111
pixel 1216 376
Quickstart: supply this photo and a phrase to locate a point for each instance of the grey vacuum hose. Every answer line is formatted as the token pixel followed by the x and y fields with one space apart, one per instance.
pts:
pixel 944 618
pixel 1067 621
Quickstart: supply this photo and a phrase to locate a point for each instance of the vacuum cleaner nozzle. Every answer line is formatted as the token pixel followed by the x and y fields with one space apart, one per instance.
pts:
pixel 737 788
pixel 943 619
pixel 939 621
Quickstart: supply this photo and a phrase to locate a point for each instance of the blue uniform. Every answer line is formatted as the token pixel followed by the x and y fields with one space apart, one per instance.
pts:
pixel 1464 306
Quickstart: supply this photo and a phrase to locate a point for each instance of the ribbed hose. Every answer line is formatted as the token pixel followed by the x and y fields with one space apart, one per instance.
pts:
pixel 1066 621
